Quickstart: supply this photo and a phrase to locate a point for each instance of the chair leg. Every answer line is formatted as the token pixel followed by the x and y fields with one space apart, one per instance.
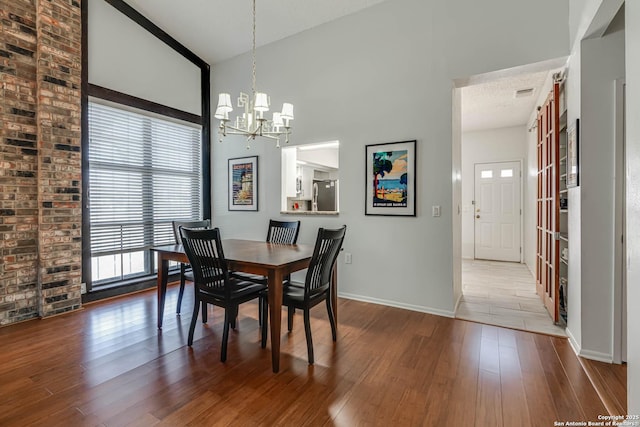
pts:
pixel 225 336
pixel 181 291
pixel 204 312
pixel 290 312
pixel 332 320
pixel 264 309
pixel 234 317
pixel 194 319
pixel 260 310
pixel 307 332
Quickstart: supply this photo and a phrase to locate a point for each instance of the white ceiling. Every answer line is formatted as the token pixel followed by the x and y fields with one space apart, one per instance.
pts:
pixel 217 30
pixel 494 105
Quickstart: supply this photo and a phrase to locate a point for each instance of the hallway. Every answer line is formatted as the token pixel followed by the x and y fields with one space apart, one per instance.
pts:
pixel 503 294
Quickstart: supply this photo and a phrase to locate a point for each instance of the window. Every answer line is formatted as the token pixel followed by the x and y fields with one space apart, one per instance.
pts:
pixel 486 174
pixel 310 178
pixel 144 172
pixel 506 173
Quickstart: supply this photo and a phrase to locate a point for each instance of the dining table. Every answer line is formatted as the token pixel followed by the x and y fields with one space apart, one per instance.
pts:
pixel 272 260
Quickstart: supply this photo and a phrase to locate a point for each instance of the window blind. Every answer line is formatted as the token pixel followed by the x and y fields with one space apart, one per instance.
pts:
pixel 144 172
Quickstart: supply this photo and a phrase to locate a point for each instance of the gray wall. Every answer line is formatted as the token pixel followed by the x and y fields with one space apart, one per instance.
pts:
pixel 384 75
pixel 125 57
pixel 632 10
pixel 602 62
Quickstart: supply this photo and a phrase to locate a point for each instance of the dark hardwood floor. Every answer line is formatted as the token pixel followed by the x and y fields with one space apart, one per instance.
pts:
pixel 108 365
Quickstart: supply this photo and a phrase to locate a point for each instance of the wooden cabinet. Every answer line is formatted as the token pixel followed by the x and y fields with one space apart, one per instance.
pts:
pixel 551 204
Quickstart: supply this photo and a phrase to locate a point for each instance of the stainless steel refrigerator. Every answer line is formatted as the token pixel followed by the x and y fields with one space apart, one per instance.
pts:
pixel 325 195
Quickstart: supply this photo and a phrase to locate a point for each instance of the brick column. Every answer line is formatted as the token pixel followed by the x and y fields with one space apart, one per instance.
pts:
pixel 40 164
pixel 59 166
pixel 18 162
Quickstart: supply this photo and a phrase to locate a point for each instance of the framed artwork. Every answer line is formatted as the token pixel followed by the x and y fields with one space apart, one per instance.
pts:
pixel 391 179
pixel 243 184
pixel 573 142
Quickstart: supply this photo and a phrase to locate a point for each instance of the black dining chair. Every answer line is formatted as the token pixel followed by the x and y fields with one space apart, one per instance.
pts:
pixel 185 272
pixel 280 232
pixel 317 286
pixel 212 283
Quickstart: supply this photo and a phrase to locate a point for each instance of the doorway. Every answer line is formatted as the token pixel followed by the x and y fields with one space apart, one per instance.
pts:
pixel 498 139
pixel 497 211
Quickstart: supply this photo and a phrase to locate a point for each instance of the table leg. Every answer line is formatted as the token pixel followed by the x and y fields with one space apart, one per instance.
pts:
pixel 163 273
pixel 334 293
pixel 274 281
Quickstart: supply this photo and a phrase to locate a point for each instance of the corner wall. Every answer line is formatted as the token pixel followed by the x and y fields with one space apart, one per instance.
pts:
pixel 632 49
pixel 40 157
pixel 602 62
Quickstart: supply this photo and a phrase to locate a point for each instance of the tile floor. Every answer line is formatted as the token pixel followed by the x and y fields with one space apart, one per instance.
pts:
pixel 503 294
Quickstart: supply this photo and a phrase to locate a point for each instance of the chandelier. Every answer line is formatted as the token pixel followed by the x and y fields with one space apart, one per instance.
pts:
pixel 252 122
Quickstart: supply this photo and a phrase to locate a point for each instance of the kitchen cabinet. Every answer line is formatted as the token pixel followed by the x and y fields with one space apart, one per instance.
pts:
pixel 305 183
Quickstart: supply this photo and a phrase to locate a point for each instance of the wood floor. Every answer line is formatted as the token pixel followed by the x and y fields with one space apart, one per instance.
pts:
pixel 108 365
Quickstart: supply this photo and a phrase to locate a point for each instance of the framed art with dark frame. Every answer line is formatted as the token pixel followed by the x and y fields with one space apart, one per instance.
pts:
pixel 573 149
pixel 243 184
pixel 391 179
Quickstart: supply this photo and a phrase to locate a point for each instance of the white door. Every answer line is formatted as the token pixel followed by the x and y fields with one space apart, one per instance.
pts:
pixel 497 211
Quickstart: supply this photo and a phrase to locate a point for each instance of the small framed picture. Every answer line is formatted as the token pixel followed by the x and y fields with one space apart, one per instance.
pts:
pixel 573 149
pixel 243 184
pixel 391 179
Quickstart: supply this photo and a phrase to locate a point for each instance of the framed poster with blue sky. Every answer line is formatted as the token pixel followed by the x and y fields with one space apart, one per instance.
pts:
pixel 391 179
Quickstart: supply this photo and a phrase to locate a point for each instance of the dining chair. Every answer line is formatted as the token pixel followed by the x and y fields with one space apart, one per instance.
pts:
pixel 212 283
pixel 317 286
pixel 185 272
pixel 281 232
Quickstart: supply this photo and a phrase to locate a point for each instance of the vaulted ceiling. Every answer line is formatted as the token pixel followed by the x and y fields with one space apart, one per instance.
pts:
pixel 217 30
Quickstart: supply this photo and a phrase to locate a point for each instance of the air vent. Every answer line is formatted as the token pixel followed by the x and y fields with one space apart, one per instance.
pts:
pixel 523 93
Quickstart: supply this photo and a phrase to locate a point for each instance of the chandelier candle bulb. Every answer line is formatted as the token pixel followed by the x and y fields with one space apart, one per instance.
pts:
pixel 261 103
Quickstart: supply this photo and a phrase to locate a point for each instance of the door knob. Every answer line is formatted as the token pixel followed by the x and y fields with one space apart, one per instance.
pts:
pixel 477 216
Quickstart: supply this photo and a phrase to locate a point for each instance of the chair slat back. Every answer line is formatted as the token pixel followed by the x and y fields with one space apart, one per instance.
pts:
pixel 204 250
pixel 188 224
pixel 325 253
pixel 285 232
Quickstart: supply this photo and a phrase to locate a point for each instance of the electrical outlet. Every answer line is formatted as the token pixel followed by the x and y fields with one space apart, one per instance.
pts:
pixel 347 258
pixel 83 288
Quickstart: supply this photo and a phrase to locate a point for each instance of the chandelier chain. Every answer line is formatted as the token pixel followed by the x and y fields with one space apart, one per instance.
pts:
pixel 254 50
pixel 252 122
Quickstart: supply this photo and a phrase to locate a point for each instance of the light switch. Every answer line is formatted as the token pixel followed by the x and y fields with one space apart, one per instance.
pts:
pixel 435 210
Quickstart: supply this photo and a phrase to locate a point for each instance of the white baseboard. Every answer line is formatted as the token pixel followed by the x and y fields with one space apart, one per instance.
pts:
pixel 587 354
pixel 455 308
pixel 596 355
pixel 573 342
pixel 419 308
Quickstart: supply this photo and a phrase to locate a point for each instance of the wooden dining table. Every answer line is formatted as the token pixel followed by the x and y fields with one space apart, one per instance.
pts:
pixel 272 260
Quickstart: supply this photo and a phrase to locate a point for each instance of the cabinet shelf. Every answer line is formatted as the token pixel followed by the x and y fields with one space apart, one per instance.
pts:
pixel 551 267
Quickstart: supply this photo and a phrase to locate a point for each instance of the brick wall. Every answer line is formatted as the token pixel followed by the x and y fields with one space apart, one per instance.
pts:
pixel 40 176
